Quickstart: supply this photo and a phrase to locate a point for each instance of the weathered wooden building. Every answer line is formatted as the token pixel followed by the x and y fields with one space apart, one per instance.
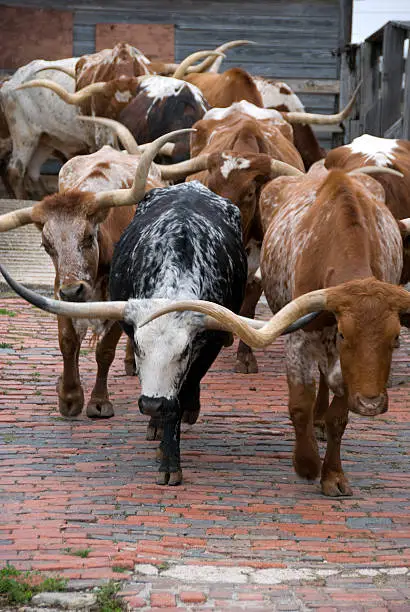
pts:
pixel 298 40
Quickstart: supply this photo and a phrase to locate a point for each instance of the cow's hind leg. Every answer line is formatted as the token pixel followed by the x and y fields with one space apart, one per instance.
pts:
pixel 155 429
pixel 100 406
pixel 321 406
pixel 245 359
pixel 333 480
pixel 301 380
pixel 69 389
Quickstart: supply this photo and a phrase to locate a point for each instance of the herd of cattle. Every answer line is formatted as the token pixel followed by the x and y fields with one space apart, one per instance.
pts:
pixel 262 208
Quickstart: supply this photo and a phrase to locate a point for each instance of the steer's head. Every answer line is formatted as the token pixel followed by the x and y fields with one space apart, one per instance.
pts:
pixel 368 323
pixel 69 225
pixel 164 352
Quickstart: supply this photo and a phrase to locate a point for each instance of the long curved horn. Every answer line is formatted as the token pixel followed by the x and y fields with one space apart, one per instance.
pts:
pixel 284 169
pixel 127 197
pixel 122 132
pixel 16 218
pixel 375 170
pixel 316 119
pixel 208 62
pixel 68 71
pixel 256 338
pixel 214 65
pixel 71 98
pixel 188 61
pixel 85 310
pixel 190 166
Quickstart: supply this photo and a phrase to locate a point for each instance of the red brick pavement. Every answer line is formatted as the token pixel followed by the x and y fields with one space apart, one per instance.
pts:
pixel 67 486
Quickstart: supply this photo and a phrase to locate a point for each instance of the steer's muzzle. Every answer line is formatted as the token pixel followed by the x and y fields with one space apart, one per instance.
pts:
pixel 369 406
pixel 75 292
pixel 151 406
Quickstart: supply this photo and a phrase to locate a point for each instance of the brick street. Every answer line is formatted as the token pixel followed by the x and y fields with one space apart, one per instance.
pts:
pixel 243 532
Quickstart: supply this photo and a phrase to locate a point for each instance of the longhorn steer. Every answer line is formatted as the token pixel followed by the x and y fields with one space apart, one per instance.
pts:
pixel 184 242
pixel 331 245
pixel 37 134
pixel 386 153
pixel 79 229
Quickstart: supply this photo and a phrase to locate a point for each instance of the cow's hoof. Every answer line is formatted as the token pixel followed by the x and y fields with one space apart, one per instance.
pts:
pixel 336 485
pixel 100 409
pixel 307 466
pixel 170 478
pixel 70 404
pixel 246 364
pixel 155 430
pixel 190 416
pixel 320 430
pixel 129 367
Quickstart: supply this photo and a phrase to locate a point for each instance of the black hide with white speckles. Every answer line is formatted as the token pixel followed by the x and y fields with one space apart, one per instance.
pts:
pixel 183 236
pixel 190 230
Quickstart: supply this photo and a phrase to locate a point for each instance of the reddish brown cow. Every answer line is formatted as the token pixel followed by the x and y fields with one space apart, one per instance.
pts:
pixel 331 245
pixel 79 229
pixel 387 153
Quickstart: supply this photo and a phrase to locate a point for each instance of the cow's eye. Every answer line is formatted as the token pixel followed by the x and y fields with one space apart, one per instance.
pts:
pixel 340 336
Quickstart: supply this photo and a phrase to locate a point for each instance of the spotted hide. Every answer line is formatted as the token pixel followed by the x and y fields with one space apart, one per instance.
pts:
pixel 323 230
pixel 184 241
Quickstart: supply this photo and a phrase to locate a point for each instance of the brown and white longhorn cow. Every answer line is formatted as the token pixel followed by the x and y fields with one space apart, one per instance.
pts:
pixel 369 150
pixel 332 246
pixel 80 226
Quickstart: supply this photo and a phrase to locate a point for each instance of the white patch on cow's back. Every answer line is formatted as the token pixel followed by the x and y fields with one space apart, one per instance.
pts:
pixel 379 150
pixel 246 108
pixel 159 87
pixel 233 163
pixel 272 95
pixel 116 170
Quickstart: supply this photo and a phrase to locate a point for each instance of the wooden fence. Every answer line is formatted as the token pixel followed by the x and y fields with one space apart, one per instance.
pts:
pixel 380 63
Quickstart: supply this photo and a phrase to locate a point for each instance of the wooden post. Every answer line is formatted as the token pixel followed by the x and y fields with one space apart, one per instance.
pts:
pixel 392 75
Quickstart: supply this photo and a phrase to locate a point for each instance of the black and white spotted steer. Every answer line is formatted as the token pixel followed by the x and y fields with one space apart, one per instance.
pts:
pixel 184 242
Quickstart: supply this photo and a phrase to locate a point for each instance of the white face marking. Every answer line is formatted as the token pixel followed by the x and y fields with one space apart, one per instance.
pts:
pixel 246 108
pixel 379 150
pixel 163 347
pixel 233 163
pixel 272 95
pixel 123 96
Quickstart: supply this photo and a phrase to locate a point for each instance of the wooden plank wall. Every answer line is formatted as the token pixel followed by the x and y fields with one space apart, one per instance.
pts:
pixel 297 40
